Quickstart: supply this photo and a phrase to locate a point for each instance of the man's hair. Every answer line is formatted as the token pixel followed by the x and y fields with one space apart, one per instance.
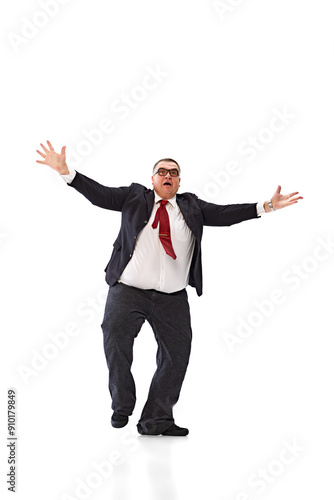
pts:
pixel 170 160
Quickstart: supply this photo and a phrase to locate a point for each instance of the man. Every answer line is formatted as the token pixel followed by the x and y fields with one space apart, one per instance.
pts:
pixel 156 255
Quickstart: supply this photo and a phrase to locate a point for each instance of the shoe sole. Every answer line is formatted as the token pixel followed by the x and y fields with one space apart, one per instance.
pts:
pixel 165 433
pixel 176 434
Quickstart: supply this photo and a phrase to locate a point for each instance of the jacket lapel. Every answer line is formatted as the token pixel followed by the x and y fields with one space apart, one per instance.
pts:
pixel 149 196
pixel 183 203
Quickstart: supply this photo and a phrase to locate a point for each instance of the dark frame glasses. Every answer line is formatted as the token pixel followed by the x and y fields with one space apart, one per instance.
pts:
pixel 173 172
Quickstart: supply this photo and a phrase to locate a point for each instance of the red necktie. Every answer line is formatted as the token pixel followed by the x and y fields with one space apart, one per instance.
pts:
pixel 164 228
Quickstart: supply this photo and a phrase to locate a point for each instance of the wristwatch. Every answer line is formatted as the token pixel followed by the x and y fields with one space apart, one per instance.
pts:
pixel 271 206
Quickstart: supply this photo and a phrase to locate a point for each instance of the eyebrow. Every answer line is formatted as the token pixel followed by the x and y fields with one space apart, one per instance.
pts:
pixel 165 168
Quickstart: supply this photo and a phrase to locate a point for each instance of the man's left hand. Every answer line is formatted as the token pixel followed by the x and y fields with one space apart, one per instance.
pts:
pixel 279 200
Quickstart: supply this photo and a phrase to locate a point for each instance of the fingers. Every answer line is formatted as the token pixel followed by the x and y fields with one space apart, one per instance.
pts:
pixel 287 197
pixel 278 190
pixel 45 149
pixel 297 198
pixel 290 196
pixel 292 201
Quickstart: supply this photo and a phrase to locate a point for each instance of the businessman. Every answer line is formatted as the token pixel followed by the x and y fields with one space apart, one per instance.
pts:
pixel 157 253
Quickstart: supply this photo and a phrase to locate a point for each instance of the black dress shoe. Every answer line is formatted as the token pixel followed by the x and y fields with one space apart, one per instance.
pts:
pixel 118 420
pixel 175 430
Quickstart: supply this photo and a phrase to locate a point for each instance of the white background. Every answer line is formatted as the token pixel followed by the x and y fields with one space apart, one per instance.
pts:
pixel 224 75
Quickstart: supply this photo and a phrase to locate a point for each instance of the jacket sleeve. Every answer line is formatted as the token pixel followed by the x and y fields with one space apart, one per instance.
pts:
pixel 226 215
pixel 102 196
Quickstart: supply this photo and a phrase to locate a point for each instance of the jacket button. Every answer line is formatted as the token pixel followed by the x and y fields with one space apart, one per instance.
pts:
pixel 145 221
pixel 130 254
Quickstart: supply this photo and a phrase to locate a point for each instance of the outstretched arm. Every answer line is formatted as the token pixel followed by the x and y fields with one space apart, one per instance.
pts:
pixel 102 196
pixel 226 215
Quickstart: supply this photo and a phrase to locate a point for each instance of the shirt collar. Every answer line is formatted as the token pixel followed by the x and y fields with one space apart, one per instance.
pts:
pixel 172 201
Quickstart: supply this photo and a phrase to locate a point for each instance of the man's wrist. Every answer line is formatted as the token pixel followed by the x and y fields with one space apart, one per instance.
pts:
pixel 65 170
pixel 267 206
pixel 68 178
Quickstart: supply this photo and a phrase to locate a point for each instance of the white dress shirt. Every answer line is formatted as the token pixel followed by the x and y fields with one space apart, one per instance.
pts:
pixel 150 267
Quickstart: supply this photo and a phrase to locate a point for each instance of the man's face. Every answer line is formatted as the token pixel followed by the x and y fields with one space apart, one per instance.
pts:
pixel 166 186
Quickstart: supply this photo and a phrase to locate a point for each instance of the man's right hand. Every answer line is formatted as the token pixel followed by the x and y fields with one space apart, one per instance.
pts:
pixel 53 159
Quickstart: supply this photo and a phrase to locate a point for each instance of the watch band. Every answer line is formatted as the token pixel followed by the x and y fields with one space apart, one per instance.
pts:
pixel 271 206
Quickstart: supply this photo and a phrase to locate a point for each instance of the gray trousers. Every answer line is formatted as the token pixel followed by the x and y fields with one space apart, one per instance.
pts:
pixel 168 314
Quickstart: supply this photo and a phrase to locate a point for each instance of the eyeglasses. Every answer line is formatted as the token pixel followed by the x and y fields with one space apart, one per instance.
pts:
pixel 163 171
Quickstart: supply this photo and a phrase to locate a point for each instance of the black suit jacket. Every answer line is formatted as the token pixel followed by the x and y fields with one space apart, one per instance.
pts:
pixel 136 204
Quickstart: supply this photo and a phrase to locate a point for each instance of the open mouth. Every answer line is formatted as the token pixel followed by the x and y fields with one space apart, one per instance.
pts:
pixel 167 183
